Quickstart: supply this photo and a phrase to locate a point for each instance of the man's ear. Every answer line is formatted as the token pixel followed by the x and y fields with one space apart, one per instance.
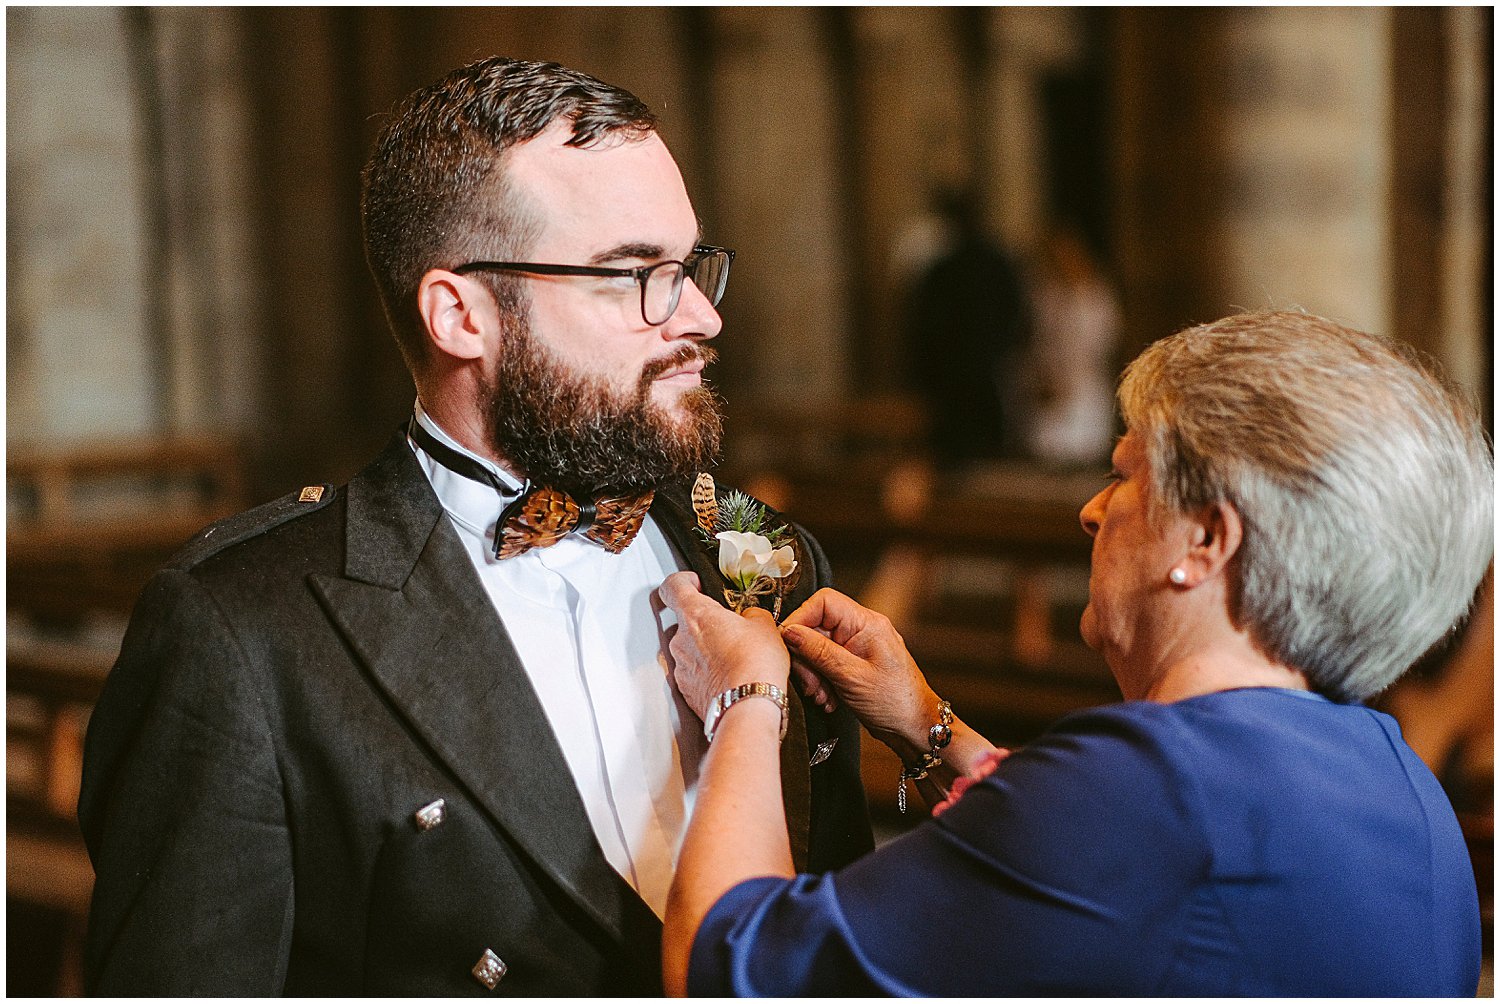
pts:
pixel 459 314
pixel 1215 536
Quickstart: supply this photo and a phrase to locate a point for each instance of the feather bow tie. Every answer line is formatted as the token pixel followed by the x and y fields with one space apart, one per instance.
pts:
pixel 542 516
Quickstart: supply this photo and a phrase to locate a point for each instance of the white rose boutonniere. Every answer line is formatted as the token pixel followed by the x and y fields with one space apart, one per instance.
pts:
pixel 747 557
pixel 757 556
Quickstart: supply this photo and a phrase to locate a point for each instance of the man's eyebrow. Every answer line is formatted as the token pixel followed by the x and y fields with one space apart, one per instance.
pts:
pixel 646 252
pixel 640 249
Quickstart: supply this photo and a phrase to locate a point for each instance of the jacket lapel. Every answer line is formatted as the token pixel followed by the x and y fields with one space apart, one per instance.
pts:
pixel 673 512
pixel 412 607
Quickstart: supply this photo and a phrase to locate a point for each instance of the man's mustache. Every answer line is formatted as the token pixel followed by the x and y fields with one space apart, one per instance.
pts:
pixel 680 357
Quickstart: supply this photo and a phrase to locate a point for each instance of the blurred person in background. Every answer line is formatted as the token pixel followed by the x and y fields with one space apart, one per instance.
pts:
pixel 1077 325
pixel 967 327
pixel 1297 511
pixel 414 735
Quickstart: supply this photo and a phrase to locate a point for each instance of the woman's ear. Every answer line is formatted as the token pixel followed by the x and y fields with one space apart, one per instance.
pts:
pixel 1216 534
pixel 459 314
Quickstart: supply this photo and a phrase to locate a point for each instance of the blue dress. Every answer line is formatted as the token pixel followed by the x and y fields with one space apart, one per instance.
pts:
pixel 1253 842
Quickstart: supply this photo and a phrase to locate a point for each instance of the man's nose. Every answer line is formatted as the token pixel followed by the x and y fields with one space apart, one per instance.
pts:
pixel 694 317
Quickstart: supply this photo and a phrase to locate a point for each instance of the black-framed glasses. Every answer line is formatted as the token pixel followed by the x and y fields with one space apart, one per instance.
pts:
pixel 661 284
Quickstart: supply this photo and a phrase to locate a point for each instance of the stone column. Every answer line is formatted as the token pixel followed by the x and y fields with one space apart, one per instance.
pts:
pixel 1026 43
pixel 785 339
pixel 1254 165
pixel 909 134
pixel 1467 230
pixel 206 274
pixel 78 346
pixel 1306 166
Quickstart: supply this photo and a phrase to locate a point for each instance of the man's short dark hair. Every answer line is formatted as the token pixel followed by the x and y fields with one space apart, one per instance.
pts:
pixel 434 192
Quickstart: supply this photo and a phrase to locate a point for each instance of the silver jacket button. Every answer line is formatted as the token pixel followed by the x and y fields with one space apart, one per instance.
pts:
pixel 430 815
pixel 489 970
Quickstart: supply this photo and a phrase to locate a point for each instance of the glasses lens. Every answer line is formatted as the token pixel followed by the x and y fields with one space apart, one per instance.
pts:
pixel 709 271
pixel 662 290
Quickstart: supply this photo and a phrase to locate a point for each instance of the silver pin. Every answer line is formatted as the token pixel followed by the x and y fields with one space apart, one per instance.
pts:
pixel 430 815
pixel 489 970
pixel 823 752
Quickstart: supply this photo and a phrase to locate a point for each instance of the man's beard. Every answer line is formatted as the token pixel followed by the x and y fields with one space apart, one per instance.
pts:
pixel 574 432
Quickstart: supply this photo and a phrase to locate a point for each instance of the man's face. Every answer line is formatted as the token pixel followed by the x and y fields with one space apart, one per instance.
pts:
pixel 583 392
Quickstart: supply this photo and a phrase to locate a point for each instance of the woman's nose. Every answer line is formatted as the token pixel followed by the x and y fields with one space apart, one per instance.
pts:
pixel 1091 513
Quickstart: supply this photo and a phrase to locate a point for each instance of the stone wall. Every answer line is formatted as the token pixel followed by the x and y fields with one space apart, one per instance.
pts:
pixel 183 229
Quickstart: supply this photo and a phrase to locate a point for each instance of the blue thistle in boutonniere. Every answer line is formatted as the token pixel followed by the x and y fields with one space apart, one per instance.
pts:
pixel 757 554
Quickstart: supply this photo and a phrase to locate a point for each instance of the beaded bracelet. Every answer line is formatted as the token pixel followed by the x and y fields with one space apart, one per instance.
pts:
pixel 939 736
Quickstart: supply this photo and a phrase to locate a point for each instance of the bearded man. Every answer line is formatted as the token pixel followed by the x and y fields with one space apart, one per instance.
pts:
pixel 412 736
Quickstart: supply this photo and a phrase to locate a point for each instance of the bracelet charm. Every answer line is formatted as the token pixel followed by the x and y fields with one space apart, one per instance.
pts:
pixel 938 737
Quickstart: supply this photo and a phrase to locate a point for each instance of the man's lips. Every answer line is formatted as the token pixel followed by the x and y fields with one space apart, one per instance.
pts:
pixel 684 371
pixel 683 366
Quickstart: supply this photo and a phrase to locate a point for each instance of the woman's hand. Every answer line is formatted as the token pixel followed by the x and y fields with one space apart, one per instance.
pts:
pixel 714 649
pixel 859 653
pixel 738 829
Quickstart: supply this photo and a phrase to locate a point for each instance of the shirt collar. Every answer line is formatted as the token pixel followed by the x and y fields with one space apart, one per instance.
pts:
pixel 472 504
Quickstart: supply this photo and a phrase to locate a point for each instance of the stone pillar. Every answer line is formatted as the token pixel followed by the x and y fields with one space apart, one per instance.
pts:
pixel 1254 165
pixel 909 136
pixel 784 337
pixel 1026 42
pixel 1467 230
pixel 1306 167
pixel 203 214
pixel 78 346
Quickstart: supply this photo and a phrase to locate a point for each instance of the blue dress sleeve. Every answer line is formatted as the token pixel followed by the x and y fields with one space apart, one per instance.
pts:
pixel 1072 867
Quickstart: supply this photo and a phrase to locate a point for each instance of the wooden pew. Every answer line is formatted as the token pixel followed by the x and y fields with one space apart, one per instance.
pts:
pixel 50 689
pixel 87 526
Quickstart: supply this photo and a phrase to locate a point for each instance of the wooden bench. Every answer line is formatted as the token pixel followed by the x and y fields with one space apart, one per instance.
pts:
pixel 50 689
pixel 86 527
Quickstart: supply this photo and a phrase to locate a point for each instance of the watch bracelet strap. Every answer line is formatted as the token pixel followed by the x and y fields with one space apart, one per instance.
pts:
pixel 734 695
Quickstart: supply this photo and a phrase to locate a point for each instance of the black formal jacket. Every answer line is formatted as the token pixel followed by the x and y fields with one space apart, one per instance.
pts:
pixel 298 683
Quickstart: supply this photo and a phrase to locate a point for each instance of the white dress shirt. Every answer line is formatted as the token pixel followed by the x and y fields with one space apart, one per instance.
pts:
pixel 591 636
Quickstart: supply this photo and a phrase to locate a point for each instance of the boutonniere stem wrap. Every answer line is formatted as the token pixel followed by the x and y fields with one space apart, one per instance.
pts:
pixel 756 556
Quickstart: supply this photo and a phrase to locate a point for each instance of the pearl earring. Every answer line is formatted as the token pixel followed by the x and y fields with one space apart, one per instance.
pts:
pixel 1178 576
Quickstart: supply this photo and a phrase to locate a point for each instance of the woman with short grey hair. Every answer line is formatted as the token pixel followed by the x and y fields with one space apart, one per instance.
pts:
pixel 1364 479
pixel 1297 511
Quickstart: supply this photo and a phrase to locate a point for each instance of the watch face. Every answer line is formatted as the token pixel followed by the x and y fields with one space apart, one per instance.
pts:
pixel 939 736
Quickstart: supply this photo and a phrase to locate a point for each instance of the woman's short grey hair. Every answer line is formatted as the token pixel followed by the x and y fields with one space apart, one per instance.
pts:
pixel 1364 481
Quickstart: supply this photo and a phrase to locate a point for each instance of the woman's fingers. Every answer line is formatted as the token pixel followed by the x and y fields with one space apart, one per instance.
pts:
pixel 678 589
pixel 713 650
pixel 813 686
pixel 829 611
pixel 867 633
pixel 824 656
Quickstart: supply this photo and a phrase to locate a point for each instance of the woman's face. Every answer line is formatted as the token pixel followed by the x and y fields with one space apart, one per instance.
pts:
pixel 1132 558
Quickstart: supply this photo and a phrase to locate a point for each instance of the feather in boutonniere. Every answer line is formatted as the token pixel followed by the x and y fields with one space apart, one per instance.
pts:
pixel 706 505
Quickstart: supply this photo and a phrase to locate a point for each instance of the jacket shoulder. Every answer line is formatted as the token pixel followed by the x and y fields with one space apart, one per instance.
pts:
pixel 250 524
